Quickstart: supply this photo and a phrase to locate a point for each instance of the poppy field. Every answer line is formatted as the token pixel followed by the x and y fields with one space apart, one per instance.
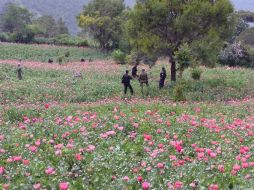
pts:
pixel 130 146
pixel 61 132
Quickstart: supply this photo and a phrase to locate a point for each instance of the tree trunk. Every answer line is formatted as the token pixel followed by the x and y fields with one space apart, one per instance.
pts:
pixel 173 68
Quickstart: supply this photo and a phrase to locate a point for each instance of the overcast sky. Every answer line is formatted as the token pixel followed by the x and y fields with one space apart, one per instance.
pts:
pixel 244 4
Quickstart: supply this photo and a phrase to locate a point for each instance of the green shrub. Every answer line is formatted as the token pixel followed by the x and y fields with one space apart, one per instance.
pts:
pixel 183 58
pixel 196 73
pixel 235 54
pixel 119 56
pixel 4 37
pixel 178 92
pixel 63 39
pixel 60 60
pixel 43 40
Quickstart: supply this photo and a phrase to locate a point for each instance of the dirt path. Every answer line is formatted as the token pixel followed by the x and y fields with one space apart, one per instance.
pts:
pixel 127 101
pixel 70 66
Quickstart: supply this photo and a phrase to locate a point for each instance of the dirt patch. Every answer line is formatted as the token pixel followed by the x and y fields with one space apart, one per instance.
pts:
pixel 70 66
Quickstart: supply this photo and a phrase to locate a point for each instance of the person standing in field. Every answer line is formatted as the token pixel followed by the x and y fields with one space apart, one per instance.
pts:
pixel 143 79
pixel 19 72
pixel 134 71
pixel 163 76
pixel 126 81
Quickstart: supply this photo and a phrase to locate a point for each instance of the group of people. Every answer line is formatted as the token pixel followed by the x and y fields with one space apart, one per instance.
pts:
pixel 142 78
pixel 126 79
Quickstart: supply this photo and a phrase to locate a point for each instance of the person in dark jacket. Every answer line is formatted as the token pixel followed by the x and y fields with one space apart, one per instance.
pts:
pixel 163 76
pixel 134 71
pixel 126 81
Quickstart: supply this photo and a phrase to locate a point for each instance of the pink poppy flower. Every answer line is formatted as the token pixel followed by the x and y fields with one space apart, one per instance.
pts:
pixel 90 148
pixel 78 157
pixel 160 165
pixel 37 186
pixel 50 171
pixel 126 178
pixel 64 186
pixel 26 162
pixel 221 168
pixel 145 185
pixel 1 170
pixel 213 187
pixel 178 185
pixel 236 167
pixel 139 178
pixel 6 186
pixel 33 148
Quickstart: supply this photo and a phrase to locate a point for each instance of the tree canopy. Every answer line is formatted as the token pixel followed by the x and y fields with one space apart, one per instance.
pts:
pixel 161 27
pixel 14 18
pixel 102 19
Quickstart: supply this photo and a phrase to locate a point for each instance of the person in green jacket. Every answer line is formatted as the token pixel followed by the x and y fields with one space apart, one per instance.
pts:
pixel 143 80
pixel 19 72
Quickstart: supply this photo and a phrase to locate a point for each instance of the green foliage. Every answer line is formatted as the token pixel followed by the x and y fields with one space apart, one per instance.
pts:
pixel 246 37
pixel 119 56
pixel 61 27
pixel 62 40
pixel 235 54
pixel 184 58
pixel 4 37
pixel 16 21
pixel 207 49
pixel 60 60
pixel 102 19
pixel 196 73
pixel 47 27
pixel 71 41
pixel 14 18
pixel 178 92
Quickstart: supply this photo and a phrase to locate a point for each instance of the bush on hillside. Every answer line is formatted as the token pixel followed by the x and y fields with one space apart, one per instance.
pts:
pixel 4 37
pixel 119 56
pixel 196 73
pixel 246 37
pixel 62 40
pixel 235 54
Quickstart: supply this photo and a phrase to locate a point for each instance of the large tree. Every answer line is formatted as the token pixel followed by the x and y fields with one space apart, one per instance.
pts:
pixel 14 18
pixel 47 26
pixel 102 19
pixel 160 27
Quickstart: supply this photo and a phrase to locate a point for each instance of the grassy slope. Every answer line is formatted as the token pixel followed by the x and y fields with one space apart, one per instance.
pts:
pixel 45 52
pixel 47 86
pixel 103 81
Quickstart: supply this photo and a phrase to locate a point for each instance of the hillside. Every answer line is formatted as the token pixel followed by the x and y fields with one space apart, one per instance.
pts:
pixel 68 11
pixel 56 8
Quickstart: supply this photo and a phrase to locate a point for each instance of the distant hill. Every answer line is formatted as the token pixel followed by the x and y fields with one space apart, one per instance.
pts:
pixel 69 9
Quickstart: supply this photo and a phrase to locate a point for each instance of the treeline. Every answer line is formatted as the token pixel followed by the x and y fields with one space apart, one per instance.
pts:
pixel 19 25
